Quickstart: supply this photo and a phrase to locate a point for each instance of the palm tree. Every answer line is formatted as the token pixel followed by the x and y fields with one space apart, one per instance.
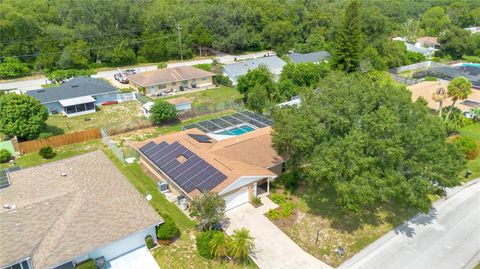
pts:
pixel 220 245
pixel 459 89
pixel 438 96
pixel 242 244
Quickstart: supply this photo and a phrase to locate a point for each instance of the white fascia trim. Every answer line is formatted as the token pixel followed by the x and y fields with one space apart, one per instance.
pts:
pixel 248 180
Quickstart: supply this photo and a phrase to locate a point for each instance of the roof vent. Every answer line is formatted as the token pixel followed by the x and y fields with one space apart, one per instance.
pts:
pixel 9 206
pixel 64 174
pixel 74 86
pixel 41 91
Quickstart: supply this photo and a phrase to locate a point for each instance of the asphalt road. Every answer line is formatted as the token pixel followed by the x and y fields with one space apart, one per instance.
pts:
pixel 447 238
pixel 32 84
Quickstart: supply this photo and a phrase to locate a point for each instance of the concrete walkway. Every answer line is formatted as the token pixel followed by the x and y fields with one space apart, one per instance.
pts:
pixel 274 249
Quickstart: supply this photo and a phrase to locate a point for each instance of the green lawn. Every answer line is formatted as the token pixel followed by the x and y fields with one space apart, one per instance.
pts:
pixel 218 95
pixel 473 132
pixel 33 159
pixel 111 116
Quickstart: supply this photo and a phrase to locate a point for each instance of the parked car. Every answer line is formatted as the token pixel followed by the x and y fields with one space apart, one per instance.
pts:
pixel 129 72
pixel 121 78
pixel 106 103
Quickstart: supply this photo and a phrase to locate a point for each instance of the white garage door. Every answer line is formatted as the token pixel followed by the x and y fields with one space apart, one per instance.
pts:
pixel 237 198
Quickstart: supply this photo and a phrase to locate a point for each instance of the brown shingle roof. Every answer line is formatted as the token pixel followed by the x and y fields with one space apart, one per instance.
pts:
pixel 249 154
pixel 60 218
pixel 166 75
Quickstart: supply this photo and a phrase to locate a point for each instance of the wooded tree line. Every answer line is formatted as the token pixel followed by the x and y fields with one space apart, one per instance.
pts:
pixel 65 34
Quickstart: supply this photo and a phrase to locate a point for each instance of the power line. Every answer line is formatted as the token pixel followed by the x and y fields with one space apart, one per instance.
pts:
pixel 79 36
pixel 89 49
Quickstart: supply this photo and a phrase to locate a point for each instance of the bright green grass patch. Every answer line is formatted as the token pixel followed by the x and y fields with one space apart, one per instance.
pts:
pixel 471 131
pixel 218 95
pixel 33 159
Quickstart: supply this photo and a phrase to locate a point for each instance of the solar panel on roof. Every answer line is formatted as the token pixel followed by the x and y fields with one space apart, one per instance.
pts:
pixel 188 174
pixel 4 175
pixel 201 138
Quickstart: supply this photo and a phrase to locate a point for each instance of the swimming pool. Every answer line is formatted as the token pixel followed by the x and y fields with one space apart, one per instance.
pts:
pixel 238 130
pixel 471 64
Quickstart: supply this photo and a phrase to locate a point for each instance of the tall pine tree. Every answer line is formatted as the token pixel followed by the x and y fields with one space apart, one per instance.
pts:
pixel 349 39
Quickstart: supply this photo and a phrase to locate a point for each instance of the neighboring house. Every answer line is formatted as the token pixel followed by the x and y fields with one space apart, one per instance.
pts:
pixel 312 57
pixel 470 71
pixel 427 52
pixel 473 30
pixel 59 214
pixel 77 96
pixel 161 81
pixel 427 42
pixel 180 103
pixel 273 63
pixel 427 88
pixel 191 162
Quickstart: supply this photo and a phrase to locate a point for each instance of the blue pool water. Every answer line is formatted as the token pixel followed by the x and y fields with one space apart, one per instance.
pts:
pixel 238 130
pixel 472 64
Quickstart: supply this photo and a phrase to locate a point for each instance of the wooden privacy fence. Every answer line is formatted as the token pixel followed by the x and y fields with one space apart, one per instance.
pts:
pixel 59 140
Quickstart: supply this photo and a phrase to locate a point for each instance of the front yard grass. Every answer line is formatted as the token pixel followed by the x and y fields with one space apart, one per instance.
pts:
pixel 112 115
pixel 317 211
pixel 213 96
pixel 472 131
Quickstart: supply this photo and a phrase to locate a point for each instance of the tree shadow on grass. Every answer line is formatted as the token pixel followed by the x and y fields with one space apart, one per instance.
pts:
pixel 54 130
pixel 323 202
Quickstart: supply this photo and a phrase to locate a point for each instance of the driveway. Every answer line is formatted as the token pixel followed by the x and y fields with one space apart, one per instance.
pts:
pixel 141 258
pixel 447 238
pixel 274 249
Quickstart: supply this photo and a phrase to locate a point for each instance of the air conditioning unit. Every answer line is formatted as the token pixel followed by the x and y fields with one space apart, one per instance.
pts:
pixel 162 186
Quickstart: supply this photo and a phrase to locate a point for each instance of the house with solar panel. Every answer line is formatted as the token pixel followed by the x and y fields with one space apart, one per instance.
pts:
pixel 231 155
pixel 67 212
pixel 78 96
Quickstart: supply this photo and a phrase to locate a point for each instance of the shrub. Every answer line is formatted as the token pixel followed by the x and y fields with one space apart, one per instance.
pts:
pixel 149 242
pixel 286 206
pixel 222 80
pixel 88 264
pixel 203 243
pixel 167 230
pixel 290 180
pixel 162 111
pixel 431 79
pixel 161 65
pixel 4 155
pixel 468 146
pixel 12 67
pixel 47 152
pixel 273 214
pixel 256 201
pixel 278 198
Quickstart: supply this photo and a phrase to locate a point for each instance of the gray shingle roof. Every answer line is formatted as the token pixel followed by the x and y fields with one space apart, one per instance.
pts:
pixel 273 63
pixel 312 57
pixel 76 87
pixel 57 218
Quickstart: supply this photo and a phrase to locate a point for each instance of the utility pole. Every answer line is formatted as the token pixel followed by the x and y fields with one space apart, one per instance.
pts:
pixel 179 29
